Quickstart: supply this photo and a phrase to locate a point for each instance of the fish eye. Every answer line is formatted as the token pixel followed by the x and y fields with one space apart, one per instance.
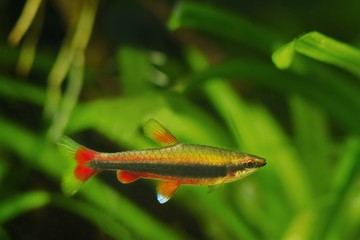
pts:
pixel 249 164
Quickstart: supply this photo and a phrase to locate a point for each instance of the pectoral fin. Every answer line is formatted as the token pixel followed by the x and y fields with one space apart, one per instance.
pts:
pixel 158 133
pixel 127 177
pixel 165 190
pixel 213 188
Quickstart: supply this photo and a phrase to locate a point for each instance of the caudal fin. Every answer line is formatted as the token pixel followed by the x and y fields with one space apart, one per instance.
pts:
pixel 79 155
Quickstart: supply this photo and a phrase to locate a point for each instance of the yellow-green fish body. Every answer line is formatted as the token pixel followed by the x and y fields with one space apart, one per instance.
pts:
pixel 173 165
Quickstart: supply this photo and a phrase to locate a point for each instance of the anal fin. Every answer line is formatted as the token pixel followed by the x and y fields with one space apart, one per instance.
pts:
pixel 127 177
pixel 165 190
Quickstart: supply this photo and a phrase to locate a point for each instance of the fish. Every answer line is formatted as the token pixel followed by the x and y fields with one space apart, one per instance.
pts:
pixel 173 164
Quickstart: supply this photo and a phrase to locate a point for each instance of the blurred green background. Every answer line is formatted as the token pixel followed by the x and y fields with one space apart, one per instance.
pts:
pixel 278 79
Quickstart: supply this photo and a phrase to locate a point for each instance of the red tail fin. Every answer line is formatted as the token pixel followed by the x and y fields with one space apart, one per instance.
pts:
pixel 82 156
pixel 81 172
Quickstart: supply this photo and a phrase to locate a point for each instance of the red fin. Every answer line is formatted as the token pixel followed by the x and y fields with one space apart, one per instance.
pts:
pixel 158 133
pixel 74 151
pixel 82 156
pixel 127 177
pixel 165 190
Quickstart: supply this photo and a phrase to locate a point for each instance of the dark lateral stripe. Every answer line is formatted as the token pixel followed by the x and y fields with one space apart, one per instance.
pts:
pixel 165 169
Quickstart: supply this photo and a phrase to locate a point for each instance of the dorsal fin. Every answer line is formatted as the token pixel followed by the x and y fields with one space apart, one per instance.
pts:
pixel 158 133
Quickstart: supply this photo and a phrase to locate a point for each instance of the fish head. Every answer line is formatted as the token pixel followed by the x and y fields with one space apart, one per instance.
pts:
pixel 244 165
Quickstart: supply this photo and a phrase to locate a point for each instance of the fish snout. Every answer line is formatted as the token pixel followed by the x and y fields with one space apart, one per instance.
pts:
pixel 260 162
pixel 252 161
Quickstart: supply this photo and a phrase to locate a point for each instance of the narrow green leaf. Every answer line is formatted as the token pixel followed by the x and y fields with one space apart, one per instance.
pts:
pixel 9 57
pixel 135 70
pixel 21 203
pixel 283 57
pixel 213 20
pixel 347 224
pixel 188 122
pixel 217 210
pixel 69 99
pixel 261 135
pixel 301 226
pixel 307 85
pixel 256 206
pixel 123 210
pixel 311 130
pixel 19 90
pixel 346 172
pixel 321 48
pixel 98 217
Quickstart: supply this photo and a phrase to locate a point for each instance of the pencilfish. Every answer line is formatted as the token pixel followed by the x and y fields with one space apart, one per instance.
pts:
pixel 173 165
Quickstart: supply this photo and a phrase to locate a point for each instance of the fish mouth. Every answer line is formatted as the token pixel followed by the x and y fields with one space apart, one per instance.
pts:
pixel 259 161
pixel 262 162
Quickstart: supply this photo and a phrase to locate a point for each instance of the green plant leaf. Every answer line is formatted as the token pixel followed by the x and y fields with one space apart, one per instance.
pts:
pixel 122 119
pixel 218 212
pixel 307 85
pixel 213 19
pixel 21 91
pixel 321 48
pixel 260 134
pixel 21 203
pixel 135 70
pixel 346 172
pixel 97 216
pixel 312 138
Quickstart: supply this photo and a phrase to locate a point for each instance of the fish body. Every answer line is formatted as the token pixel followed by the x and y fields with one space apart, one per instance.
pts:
pixel 174 165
